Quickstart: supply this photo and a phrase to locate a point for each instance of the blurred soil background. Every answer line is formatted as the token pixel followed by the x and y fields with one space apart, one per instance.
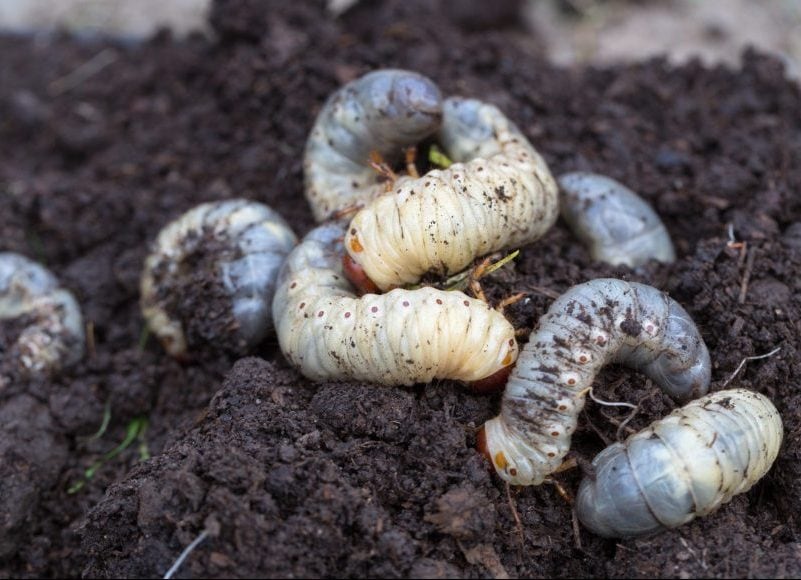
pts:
pixel 571 31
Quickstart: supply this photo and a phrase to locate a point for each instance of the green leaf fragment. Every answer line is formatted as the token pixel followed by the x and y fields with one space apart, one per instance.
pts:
pixel 135 430
pixel 437 157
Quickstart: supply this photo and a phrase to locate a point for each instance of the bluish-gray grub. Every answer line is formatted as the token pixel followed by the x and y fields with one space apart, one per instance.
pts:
pixel 685 465
pixel 592 324
pixel 616 224
pixel 52 336
pixel 384 111
pixel 252 243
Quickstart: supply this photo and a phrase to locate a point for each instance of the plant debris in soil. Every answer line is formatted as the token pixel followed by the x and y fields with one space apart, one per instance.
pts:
pixel 283 477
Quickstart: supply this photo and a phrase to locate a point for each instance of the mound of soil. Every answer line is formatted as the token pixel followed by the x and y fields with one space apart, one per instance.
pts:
pixel 103 143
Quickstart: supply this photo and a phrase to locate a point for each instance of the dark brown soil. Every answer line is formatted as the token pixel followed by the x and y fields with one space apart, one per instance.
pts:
pixel 290 478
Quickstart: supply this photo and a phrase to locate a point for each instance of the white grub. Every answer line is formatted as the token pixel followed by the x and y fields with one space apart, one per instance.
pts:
pixel 399 338
pixel 499 194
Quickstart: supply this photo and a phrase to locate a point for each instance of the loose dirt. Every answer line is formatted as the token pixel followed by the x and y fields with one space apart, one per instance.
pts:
pixel 290 478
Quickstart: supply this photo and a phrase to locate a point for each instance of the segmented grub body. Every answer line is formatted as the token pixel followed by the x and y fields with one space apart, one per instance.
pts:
pixel 617 225
pixel 248 242
pixel 590 325
pixel 399 338
pixel 499 195
pixel 685 465
pixel 51 336
pixel 384 111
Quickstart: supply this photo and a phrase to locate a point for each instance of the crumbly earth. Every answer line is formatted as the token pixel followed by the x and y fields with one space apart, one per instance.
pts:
pixel 289 478
pixel 198 286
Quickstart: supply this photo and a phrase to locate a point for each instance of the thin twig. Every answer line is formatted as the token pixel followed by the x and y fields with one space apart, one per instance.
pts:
pixel 598 432
pixel 622 424
pixel 90 338
pixel 188 550
pixel 634 411
pixel 469 277
pixel 700 561
pixel 745 360
pixel 515 515
pixel 743 251
pixel 84 72
pixel 576 529
pixel 749 264
pixel 544 291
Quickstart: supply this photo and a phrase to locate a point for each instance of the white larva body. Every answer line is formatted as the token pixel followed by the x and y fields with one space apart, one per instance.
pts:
pixel 617 225
pixel 399 338
pixel 685 465
pixel 383 111
pixel 255 241
pixel 590 325
pixel 500 194
pixel 54 338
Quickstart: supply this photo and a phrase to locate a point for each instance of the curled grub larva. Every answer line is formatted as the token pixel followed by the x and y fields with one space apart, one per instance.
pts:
pixel 238 245
pixel 685 465
pixel 590 325
pixel 499 195
pixel 383 111
pixel 399 338
pixel 49 334
pixel 618 226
